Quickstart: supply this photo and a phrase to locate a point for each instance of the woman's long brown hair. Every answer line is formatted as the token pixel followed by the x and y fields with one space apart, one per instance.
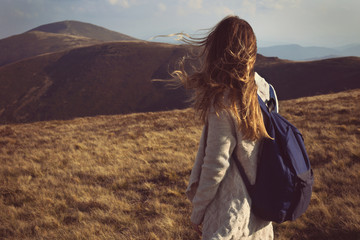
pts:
pixel 227 72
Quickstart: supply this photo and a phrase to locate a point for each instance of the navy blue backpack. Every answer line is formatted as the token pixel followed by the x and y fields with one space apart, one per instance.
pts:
pixel 284 178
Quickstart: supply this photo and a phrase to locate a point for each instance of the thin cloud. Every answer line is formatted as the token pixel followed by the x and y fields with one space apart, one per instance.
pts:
pixel 162 7
pixel 186 7
pixel 113 2
pixel 224 11
pixel 195 4
pixel 285 21
pixel 278 4
pixel 122 3
pixel 248 7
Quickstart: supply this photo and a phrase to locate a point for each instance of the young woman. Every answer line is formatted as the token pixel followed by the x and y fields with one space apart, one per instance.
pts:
pixel 226 89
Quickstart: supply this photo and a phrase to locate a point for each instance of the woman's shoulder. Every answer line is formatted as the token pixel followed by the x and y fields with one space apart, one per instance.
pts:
pixel 221 114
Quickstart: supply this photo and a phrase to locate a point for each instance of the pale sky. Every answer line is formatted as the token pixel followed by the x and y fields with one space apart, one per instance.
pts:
pixel 327 23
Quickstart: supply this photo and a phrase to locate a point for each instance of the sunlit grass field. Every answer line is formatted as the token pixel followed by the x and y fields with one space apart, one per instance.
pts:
pixel 124 176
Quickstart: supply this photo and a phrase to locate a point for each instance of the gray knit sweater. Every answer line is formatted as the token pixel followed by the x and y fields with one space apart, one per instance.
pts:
pixel 218 194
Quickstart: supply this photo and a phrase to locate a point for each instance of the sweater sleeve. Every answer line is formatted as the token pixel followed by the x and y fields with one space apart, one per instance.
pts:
pixel 219 147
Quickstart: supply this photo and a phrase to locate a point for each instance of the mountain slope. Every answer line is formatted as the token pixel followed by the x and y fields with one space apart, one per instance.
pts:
pixel 115 78
pixel 34 43
pixel 108 78
pixel 88 30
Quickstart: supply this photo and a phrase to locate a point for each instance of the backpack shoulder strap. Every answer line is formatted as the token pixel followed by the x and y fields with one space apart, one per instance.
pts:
pixel 244 177
pixel 273 99
pixel 249 187
pixel 241 169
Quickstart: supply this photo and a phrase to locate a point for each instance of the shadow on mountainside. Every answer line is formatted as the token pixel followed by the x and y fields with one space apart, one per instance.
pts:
pixel 116 78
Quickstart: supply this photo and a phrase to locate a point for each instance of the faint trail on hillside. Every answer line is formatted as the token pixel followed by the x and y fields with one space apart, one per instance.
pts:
pixel 33 94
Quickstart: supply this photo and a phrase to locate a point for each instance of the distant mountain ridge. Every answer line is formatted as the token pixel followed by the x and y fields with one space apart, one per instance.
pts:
pixel 53 37
pixel 77 28
pixel 298 53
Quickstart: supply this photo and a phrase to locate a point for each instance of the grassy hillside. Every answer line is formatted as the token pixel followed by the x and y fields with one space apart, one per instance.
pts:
pixel 298 79
pixel 109 78
pixel 115 78
pixel 124 176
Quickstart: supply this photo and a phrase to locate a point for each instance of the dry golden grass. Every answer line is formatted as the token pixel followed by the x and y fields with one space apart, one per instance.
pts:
pixel 114 177
pixel 124 176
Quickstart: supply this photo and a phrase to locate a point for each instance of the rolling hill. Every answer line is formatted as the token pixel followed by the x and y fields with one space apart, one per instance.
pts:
pixel 115 78
pixel 108 78
pixel 55 37
pixel 124 176
pixel 64 70
pixel 298 79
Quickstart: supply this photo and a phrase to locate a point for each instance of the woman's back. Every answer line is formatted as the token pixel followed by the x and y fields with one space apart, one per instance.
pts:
pixel 231 195
pixel 226 89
